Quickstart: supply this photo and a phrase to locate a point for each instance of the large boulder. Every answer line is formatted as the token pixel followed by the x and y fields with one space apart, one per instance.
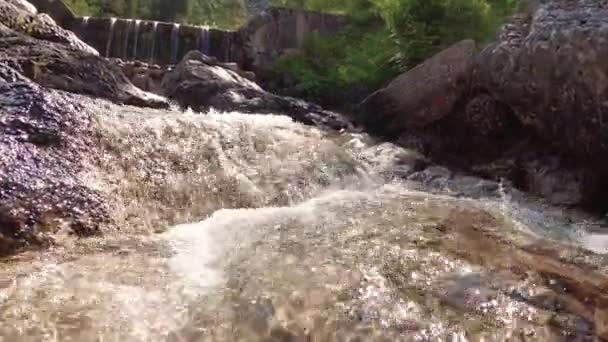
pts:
pixel 200 83
pixel 21 16
pixel 423 94
pixel 38 48
pixel 550 66
pixel 43 135
pixel 60 66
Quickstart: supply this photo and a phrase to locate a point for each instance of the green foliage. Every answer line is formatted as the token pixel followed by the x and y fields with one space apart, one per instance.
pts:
pixel 326 67
pixel 386 37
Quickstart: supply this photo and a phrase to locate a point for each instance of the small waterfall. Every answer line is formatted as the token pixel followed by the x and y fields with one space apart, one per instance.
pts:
pixel 153 44
pixel 110 34
pixel 227 46
pixel 85 23
pixel 203 40
pixel 129 23
pixel 137 23
pixel 174 43
pixel 83 26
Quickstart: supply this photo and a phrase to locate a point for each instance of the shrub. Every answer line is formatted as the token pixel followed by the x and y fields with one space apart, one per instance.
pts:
pixel 385 37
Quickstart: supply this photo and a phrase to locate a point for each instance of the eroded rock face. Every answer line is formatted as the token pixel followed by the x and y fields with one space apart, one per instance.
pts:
pixel 39 49
pixel 550 67
pixel 21 16
pixel 533 109
pixel 60 66
pixel 42 136
pixel 199 83
pixel 423 94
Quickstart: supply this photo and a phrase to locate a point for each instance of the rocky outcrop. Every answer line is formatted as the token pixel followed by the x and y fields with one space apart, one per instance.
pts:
pixel 531 107
pixel 550 66
pixel 22 17
pixel 423 94
pixel 40 50
pixel 42 136
pixel 198 82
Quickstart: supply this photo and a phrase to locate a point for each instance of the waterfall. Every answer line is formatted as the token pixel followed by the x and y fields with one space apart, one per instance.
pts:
pixel 111 33
pixel 127 31
pixel 152 46
pixel 174 43
pixel 203 40
pixel 85 23
pixel 227 46
pixel 137 23
pixel 83 26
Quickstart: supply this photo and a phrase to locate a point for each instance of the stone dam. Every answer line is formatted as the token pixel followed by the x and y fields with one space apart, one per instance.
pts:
pixel 254 46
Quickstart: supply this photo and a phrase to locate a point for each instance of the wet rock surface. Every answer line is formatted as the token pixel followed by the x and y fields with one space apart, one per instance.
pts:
pixel 43 134
pixel 198 83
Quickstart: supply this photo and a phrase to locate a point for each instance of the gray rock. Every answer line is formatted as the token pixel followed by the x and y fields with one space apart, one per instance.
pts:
pixel 421 95
pixel 61 66
pixel 200 84
pixel 550 66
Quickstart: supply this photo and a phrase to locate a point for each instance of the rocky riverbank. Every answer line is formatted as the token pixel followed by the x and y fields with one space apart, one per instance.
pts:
pixel 530 108
pixel 47 130
pixel 297 227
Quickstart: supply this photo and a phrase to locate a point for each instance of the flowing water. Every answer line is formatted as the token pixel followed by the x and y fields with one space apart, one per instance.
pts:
pixel 152 52
pixel 203 41
pixel 110 36
pixel 125 44
pixel 239 227
pixel 136 38
pixel 174 43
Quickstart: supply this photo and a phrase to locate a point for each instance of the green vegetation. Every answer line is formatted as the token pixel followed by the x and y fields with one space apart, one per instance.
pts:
pixel 385 37
pixel 217 13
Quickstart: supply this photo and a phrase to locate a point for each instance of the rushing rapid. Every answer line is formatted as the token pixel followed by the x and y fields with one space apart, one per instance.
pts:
pixel 237 227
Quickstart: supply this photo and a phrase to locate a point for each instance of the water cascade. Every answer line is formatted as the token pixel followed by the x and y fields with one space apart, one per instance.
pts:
pixel 110 35
pixel 136 38
pixel 84 24
pixel 274 228
pixel 125 44
pixel 174 43
pixel 151 53
pixel 203 40
pixel 227 47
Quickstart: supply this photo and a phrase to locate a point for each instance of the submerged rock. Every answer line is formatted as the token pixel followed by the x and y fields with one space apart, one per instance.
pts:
pixel 42 136
pixel 199 83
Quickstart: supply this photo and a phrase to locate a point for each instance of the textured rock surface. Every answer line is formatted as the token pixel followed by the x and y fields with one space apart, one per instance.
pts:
pixel 550 67
pixel 42 135
pixel 534 109
pixel 423 94
pixel 21 16
pixel 198 83
pixel 53 57
pixel 60 66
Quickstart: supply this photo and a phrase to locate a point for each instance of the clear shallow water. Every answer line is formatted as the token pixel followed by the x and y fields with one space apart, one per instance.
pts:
pixel 254 228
